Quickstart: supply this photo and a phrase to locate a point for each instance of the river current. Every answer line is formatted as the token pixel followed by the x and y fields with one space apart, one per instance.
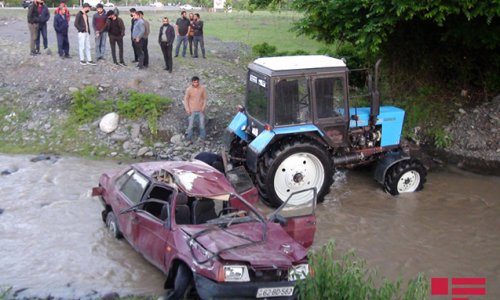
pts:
pixel 53 241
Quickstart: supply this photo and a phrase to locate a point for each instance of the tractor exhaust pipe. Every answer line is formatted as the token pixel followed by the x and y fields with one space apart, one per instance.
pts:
pixel 375 95
pixel 346 159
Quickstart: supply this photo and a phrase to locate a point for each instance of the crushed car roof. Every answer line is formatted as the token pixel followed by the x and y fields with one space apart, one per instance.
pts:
pixel 195 178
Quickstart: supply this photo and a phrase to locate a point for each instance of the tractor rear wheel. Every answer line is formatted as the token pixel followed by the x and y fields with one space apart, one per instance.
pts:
pixel 294 166
pixel 405 177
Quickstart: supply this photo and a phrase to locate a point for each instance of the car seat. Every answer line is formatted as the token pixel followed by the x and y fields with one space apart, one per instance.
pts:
pixel 203 210
pixel 182 212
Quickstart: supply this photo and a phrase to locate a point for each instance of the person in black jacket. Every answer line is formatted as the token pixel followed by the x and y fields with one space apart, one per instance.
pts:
pixel 33 19
pixel 166 39
pixel 42 25
pixel 82 25
pixel 61 27
pixel 116 31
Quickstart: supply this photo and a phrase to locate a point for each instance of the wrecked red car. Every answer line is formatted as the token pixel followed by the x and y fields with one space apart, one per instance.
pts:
pixel 200 228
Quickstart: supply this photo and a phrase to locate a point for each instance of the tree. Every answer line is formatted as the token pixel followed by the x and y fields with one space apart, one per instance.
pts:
pixel 460 36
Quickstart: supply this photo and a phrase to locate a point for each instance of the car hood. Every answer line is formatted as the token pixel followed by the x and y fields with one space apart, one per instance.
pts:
pixel 278 249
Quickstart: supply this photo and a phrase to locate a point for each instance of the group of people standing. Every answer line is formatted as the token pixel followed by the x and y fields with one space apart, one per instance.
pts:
pixel 109 24
pixel 189 31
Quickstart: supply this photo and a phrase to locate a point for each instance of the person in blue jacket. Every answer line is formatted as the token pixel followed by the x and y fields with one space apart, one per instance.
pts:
pixel 44 16
pixel 61 27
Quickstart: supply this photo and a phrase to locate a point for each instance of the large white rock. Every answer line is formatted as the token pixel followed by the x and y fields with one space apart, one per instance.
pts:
pixel 109 122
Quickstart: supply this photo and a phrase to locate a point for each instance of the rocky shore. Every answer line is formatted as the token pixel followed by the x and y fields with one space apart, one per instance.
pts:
pixel 36 92
pixel 35 97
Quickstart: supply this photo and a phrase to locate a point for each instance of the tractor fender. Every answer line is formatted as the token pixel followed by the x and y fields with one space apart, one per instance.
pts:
pixel 386 162
pixel 268 137
pixel 238 126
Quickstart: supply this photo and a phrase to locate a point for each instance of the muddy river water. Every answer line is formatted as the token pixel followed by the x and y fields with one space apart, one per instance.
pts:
pixel 53 242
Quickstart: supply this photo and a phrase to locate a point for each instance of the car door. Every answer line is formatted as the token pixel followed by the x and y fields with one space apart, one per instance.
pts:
pixel 129 194
pixel 152 228
pixel 300 216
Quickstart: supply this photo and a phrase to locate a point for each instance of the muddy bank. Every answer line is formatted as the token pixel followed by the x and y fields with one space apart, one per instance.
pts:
pixel 476 139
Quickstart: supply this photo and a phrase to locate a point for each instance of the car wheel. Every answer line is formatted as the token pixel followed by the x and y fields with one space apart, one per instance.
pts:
pixel 112 224
pixel 405 177
pixel 295 166
pixel 182 281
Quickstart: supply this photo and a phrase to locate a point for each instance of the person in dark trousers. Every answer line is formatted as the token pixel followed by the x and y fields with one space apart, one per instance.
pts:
pixel 61 27
pixel 99 25
pixel 198 35
pixel 138 38
pixel 190 34
pixel 43 12
pixel 181 30
pixel 147 30
pixel 33 19
pixel 166 39
pixel 132 22
pixel 116 32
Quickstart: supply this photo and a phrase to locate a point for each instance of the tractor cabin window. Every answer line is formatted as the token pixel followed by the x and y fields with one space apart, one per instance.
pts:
pixel 329 97
pixel 292 101
pixel 257 91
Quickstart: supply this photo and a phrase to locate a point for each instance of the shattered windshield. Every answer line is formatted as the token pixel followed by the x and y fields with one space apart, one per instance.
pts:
pixel 225 227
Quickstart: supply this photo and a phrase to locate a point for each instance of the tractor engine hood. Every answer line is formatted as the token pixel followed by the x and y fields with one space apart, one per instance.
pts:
pixel 243 243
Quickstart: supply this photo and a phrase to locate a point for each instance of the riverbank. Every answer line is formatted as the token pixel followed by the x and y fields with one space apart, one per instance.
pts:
pixel 36 94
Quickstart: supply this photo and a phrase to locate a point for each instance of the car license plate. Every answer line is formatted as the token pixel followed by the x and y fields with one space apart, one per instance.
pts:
pixel 275 292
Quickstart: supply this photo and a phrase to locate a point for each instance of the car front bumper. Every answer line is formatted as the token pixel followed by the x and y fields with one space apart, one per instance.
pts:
pixel 208 289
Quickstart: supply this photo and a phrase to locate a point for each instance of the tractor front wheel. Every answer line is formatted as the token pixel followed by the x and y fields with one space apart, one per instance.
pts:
pixel 405 177
pixel 295 166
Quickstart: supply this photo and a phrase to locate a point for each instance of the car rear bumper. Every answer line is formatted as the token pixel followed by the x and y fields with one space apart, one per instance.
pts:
pixel 208 289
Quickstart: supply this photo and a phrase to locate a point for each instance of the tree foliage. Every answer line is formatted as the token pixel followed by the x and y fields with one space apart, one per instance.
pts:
pixel 457 41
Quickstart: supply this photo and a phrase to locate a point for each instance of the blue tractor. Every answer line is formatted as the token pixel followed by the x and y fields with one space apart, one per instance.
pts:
pixel 297 126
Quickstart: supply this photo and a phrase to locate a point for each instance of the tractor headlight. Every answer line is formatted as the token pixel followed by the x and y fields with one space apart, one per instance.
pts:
pixel 236 273
pixel 298 272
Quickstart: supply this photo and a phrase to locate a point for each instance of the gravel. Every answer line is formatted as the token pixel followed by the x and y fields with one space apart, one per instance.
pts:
pixel 41 86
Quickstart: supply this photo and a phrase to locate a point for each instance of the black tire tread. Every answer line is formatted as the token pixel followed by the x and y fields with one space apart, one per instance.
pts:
pixel 281 148
pixel 395 172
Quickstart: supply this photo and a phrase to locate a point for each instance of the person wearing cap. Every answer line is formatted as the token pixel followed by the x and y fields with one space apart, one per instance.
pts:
pixel 116 31
pixel 166 39
pixel 99 26
pixel 33 19
pixel 61 27
pixel 44 16
pixel 62 6
pixel 83 27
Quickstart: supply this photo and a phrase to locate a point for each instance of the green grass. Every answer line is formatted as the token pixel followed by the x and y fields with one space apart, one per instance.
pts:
pixel 245 27
pixel 346 277
pixel 259 27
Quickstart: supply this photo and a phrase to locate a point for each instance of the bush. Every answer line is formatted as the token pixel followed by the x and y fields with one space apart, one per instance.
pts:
pixel 348 278
pixel 86 106
pixel 146 105
pixel 263 50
